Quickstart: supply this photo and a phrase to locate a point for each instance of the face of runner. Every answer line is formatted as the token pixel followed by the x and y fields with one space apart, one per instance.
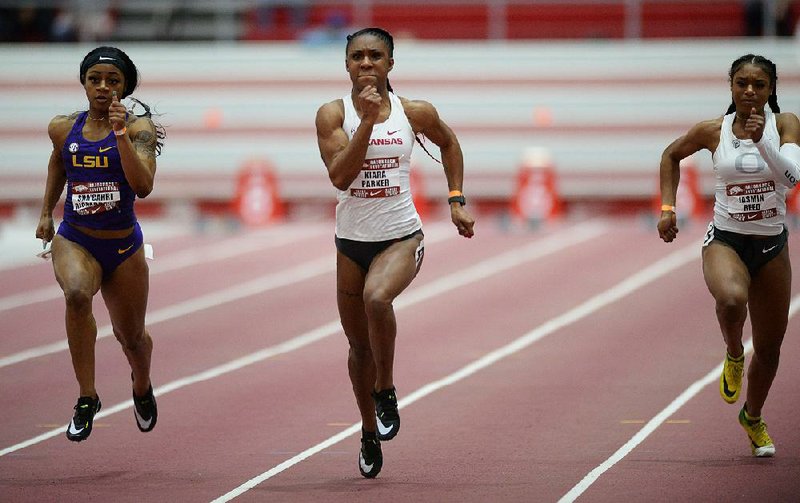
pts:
pixel 750 88
pixel 368 62
pixel 100 82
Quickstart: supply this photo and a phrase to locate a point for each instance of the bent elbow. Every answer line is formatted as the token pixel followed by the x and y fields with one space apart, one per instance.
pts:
pixel 340 183
pixel 143 190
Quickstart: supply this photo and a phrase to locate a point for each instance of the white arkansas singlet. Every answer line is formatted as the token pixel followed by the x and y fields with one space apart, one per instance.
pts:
pixel 378 206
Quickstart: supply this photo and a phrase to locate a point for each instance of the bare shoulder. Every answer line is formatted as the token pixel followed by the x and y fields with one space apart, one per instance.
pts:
pixel 331 114
pixel 788 127
pixel 786 119
pixel 137 124
pixel 421 114
pixel 706 130
pixel 60 126
pixel 335 107
pixel 417 107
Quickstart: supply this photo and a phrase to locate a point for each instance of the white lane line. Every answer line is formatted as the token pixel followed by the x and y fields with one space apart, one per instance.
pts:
pixel 569 237
pixel 613 294
pixel 658 420
pixel 255 286
pixel 223 250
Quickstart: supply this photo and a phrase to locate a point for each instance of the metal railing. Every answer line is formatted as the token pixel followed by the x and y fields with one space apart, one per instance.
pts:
pixel 228 15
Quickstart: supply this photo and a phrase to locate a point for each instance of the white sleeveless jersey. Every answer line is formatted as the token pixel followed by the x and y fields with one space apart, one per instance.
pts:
pixel 378 206
pixel 748 199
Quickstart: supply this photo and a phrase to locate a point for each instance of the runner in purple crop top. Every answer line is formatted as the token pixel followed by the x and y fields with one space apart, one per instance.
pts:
pixel 106 157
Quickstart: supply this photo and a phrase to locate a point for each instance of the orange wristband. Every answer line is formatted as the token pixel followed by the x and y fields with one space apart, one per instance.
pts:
pixel 121 131
pixel 455 193
pixel 667 207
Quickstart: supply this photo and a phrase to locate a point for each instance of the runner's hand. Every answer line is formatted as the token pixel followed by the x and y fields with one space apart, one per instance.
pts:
pixel 755 125
pixel 117 113
pixel 668 226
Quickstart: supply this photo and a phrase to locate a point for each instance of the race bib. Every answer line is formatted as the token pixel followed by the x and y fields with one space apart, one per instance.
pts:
pixel 752 201
pixel 378 178
pixel 90 198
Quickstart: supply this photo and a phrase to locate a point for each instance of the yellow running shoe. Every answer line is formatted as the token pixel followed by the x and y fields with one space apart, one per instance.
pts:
pixel 760 441
pixel 730 383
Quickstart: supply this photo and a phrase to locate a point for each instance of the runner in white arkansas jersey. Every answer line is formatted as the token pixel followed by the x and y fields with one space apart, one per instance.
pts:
pixel 378 205
pixel 365 140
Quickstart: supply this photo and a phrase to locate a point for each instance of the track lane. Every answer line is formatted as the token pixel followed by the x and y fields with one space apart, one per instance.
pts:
pixel 278 420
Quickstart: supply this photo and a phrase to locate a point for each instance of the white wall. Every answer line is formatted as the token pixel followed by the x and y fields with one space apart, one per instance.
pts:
pixel 612 106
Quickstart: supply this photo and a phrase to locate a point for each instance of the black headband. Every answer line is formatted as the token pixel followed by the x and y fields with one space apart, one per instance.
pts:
pixel 110 58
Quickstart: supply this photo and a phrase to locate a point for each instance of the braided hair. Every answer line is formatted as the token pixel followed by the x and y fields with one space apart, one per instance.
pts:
pixel 768 67
pixel 387 39
pixel 118 58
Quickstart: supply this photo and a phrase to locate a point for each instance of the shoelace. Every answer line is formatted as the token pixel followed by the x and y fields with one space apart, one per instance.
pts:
pixel 83 412
pixel 736 371
pixel 759 434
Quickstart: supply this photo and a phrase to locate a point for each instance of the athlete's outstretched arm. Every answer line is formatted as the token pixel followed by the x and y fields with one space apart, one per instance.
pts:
pixel 425 119
pixel 702 135
pixel 56 176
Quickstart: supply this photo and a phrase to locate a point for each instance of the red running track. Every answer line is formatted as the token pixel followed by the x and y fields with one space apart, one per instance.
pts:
pixel 575 362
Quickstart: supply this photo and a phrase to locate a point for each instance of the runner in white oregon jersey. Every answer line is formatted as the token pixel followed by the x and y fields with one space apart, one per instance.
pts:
pixel 365 140
pixel 745 253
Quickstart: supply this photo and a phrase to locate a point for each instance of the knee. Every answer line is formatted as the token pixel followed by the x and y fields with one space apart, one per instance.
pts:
pixel 131 341
pixel 377 301
pixel 360 352
pixel 78 299
pixel 732 306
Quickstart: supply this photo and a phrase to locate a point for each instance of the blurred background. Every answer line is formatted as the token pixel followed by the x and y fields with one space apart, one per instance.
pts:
pixel 562 107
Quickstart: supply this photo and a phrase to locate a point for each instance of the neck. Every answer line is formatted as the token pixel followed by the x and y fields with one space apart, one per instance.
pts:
pixel 89 116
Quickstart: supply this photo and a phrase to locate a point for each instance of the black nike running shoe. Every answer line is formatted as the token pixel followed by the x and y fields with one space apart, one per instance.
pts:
pixel 81 425
pixel 386 413
pixel 370 458
pixel 145 410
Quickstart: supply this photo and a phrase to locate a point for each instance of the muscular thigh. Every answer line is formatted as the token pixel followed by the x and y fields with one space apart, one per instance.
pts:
pixel 350 299
pixel 75 268
pixel 394 268
pixel 770 295
pixel 125 292
pixel 724 272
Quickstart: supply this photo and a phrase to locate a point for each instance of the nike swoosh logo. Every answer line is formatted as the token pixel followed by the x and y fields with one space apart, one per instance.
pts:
pixel 390 133
pixel 103 58
pixel 364 466
pixel 725 389
pixel 375 192
pixel 121 251
pixel 73 430
pixel 767 250
pixel 383 430
pixel 144 424
pixel 105 149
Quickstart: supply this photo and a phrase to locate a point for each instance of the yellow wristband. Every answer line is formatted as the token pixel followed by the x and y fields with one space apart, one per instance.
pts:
pixel 121 131
pixel 667 207
pixel 455 193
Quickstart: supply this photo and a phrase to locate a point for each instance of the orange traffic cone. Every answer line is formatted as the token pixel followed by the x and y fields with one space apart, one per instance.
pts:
pixel 536 197
pixel 257 201
pixel 793 200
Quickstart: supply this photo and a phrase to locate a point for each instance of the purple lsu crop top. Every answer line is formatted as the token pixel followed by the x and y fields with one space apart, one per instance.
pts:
pixel 98 195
